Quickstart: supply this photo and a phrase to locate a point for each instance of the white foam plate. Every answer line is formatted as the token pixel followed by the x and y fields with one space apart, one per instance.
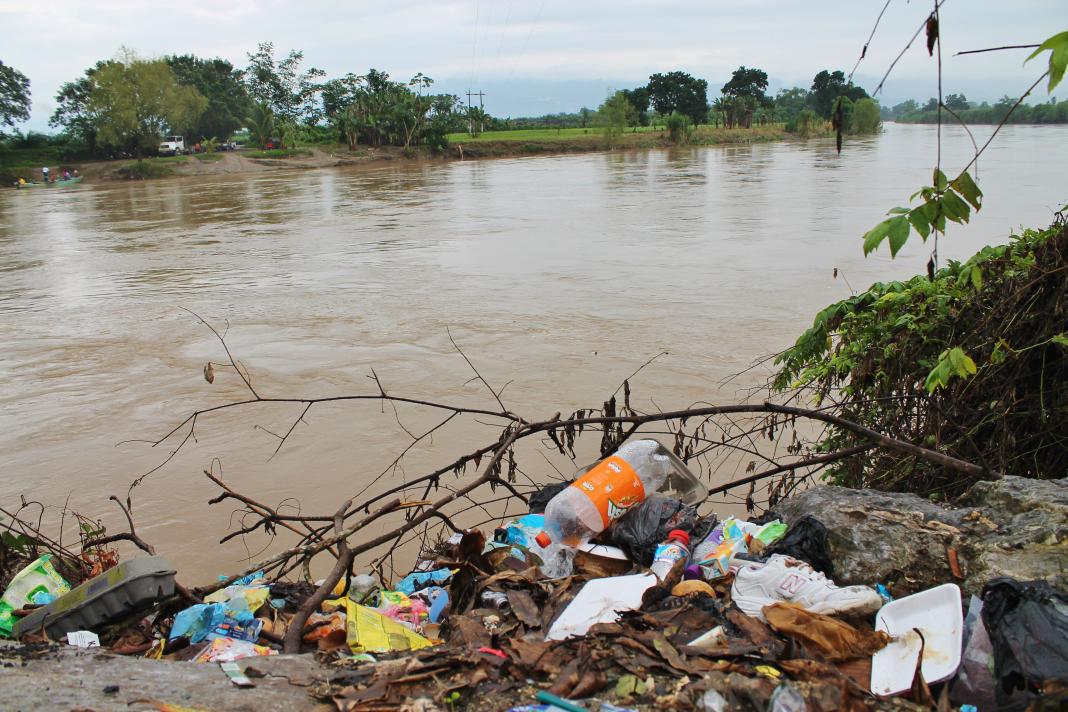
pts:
pixel 934 613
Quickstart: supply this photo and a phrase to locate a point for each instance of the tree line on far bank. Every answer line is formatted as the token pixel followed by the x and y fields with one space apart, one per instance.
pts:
pixel 679 101
pixel 912 112
pixel 124 105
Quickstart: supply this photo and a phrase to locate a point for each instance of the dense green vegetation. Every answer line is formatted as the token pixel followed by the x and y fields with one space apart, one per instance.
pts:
pixel 1050 112
pixel 14 96
pixel 970 360
pixel 973 363
pixel 136 101
pixel 121 107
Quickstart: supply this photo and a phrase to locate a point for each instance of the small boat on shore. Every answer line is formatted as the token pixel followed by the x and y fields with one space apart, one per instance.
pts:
pixel 59 182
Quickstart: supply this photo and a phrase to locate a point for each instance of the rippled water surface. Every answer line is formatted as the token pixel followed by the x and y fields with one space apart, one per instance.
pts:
pixel 557 275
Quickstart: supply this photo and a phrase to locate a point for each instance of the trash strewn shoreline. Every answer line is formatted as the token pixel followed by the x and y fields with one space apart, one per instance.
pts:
pixel 661 608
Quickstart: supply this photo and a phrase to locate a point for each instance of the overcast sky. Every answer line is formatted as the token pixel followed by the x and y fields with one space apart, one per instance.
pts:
pixel 538 56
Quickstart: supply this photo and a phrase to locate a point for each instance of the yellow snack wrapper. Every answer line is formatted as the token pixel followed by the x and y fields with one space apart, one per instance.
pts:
pixel 368 631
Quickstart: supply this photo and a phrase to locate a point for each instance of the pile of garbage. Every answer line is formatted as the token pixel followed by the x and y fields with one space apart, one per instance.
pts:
pixel 612 593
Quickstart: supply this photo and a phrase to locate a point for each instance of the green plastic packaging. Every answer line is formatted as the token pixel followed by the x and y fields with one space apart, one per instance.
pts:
pixel 39 577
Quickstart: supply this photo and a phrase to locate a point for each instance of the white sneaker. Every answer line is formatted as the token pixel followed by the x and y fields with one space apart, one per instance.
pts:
pixel 784 578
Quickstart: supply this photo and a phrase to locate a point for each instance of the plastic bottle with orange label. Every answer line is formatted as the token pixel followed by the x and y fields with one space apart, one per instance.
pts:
pixel 599 497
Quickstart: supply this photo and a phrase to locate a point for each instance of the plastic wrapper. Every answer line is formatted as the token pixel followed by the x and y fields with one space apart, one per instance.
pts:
pixel 806 539
pixel 39 579
pixel 371 632
pixel 223 650
pixel 647 524
pixel 974 683
pixel 1028 626
pixel 415 581
pixel 221 618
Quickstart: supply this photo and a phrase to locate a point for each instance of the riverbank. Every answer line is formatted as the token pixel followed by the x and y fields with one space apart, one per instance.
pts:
pixel 499 144
pixel 507 636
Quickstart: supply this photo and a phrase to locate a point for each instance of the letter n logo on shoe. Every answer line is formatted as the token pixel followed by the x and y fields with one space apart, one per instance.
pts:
pixel 791 585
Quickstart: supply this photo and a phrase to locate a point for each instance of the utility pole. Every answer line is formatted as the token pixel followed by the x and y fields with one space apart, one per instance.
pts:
pixel 482 123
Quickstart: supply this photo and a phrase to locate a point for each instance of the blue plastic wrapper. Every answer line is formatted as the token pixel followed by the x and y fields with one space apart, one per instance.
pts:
pixel 245 580
pixel 522 531
pixel 439 598
pixel 196 622
pixel 238 630
pixel 43 598
pixel 413 582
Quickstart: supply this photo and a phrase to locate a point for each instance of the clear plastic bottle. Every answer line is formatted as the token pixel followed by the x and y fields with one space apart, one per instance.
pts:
pixel 599 497
pixel 676 548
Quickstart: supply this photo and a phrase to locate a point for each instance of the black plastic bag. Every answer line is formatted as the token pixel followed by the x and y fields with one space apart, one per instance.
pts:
pixel 540 499
pixel 805 539
pixel 1028 626
pixel 640 530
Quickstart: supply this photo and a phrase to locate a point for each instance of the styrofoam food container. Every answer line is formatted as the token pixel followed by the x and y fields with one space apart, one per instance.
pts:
pixel 936 614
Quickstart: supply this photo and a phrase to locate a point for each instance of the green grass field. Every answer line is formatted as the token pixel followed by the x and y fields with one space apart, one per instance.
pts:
pixel 277 153
pixel 534 135
pixel 210 157
pixel 704 133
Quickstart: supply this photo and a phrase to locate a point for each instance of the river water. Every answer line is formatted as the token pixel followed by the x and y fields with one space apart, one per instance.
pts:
pixel 556 275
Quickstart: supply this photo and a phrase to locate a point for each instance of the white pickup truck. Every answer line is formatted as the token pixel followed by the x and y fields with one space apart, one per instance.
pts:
pixel 172 146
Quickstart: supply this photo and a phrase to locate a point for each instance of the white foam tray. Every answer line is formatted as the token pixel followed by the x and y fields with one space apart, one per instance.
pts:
pixel 936 614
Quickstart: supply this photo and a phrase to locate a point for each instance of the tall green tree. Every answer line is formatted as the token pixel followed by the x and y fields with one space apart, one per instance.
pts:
pixel 678 91
pixel 222 85
pixel 337 94
pixel 639 100
pixel 828 86
pixel 14 96
pixel 137 100
pixel 292 93
pixel 614 116
pixel 957 102
pixel 906 107
pixel 866 118
pixel 745 93
pixel 73 112
pixel 789 103
pixel 585 114
pixel 377 110
pixel 261 123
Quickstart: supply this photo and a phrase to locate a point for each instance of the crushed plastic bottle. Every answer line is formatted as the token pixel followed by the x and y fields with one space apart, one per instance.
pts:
pixel 675 549
pixel 602 495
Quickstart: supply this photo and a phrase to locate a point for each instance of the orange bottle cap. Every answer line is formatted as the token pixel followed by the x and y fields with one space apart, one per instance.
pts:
pixel 679 535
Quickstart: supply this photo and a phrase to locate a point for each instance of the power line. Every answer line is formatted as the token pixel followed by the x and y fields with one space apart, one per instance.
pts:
pixel 526 40
pixel 474 48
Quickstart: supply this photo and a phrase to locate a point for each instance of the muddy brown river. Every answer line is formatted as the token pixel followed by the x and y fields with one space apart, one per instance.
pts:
pixel 558 276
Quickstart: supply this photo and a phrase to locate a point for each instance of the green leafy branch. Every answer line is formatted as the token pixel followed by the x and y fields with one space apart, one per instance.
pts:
pixel 1057 46
pixel 954 200
pixel 945 200
pixel 952 363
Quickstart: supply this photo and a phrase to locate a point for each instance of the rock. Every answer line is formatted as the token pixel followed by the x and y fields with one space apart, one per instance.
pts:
pixel 1011 527
pixel 1031 540
pixel 62 677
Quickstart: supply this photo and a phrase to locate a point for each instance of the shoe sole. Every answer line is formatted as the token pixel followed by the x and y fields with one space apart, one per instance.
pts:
pixel 754 607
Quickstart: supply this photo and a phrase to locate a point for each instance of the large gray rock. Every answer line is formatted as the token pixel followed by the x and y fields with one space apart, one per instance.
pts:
pixel 1012 527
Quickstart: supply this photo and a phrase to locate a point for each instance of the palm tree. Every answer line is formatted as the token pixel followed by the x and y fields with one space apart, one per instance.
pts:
pixel 261 123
